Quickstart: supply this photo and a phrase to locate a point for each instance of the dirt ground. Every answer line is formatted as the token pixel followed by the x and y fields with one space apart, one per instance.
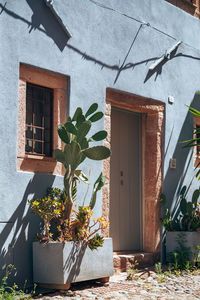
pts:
pixel 146 284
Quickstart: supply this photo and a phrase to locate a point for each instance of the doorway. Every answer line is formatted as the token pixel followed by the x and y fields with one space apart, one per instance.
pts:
pixel 125 184
pixel 152 120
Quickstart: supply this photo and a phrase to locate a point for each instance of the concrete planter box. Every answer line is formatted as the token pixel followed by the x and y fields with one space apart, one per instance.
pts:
pixel 191 240
pixel 56 264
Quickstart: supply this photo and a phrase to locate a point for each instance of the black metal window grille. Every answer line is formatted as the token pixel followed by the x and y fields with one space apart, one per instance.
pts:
pixel 39 119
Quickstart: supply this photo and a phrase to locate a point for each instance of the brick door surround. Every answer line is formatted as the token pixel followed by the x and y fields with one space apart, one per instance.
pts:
pixel 152 145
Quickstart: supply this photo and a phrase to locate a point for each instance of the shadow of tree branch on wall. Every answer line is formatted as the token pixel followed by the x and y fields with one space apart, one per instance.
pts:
pixel 108 66
pixel 43 16
pixel 12 14
pixel 174 179
pixel 158 69
pixel 18 233
pixel 73 261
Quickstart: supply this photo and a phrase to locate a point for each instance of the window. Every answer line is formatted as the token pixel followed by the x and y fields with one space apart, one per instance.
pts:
pixel 42 105
pixel 39 111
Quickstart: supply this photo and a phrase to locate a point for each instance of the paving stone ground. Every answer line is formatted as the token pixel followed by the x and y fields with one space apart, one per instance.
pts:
pixel 146 285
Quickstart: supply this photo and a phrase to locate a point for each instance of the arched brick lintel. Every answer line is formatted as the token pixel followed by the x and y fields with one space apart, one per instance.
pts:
pixel 152 141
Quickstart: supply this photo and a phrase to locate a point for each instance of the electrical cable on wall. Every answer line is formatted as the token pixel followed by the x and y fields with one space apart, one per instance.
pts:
pixel 120 69
pixel 141 22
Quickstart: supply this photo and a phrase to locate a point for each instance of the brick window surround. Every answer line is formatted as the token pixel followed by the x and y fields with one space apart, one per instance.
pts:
pixel 152 156
pixel 57 82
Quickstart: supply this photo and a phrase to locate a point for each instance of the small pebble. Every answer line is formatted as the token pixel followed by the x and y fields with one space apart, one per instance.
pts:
pixel 143 292
pixel 150 279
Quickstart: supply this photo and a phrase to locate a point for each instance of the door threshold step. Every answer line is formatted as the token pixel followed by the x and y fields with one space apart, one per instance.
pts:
pixel 123 260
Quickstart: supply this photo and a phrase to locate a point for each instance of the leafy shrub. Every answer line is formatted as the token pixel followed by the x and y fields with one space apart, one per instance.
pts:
pixel 11 293
pixel 180 259
pixel 189 217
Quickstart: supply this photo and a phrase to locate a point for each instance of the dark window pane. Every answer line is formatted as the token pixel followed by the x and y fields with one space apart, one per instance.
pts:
pixel 29 92
pixel 47 112
pixel 29 118
pixel 28 147
pixel 29 112
pixel 47 136
pixel 37 134
pixel 38 107
pixel 38 120
pixel 29 132
pixel 38 113
pixel 37 147
pixel 47 149
pixel 48 95
pixel 39 116
pixel 47 123
pixel 38 94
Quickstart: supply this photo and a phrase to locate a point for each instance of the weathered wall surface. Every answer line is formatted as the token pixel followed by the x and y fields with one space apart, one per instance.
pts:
pixel 103 52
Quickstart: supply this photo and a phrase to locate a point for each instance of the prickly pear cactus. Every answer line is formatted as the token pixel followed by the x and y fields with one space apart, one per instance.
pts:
pixel 75 135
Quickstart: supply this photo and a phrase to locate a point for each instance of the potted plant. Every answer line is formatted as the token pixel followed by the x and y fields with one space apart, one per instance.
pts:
pixel 183 229
pixel 72 249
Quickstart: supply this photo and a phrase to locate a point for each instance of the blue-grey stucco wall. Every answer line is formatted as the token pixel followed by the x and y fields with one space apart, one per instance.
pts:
pixel 100 55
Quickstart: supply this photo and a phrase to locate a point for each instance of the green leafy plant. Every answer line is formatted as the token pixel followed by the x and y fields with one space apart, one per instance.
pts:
pixel 188 266
pixel 189 217
pixel 75 224
pixel 196 256
pixel 180 259
pixel 11 292
pixel 158 268
pixel 161 278
pixel 161 275
pixel 131 273
pixel 169 271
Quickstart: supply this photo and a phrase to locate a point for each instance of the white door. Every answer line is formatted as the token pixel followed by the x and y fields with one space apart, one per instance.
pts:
pixel 125 206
